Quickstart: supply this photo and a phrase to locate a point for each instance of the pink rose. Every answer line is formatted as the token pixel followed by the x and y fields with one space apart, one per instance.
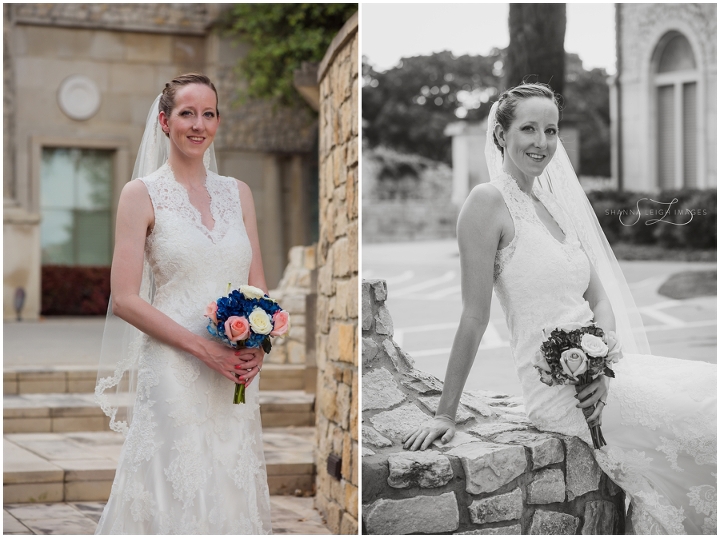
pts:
pixel 540 362
pixel 615 352
pixel 573 362
pixel 281 321
pixel 237 328
pixel 211 312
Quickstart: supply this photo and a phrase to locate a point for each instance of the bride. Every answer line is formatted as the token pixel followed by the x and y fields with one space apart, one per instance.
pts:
pixel 192 462
pixel 532 234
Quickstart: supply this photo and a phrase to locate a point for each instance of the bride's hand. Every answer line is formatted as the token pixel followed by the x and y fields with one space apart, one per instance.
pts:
pixel 428 432
pixel 596 392
pixel 223 359
pixel 252 361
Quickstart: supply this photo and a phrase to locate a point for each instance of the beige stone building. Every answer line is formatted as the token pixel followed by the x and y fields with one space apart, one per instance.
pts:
pixel 664 97
pixel 78 83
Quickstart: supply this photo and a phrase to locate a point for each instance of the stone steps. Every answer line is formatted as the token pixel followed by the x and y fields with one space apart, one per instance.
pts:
pixel 69 379
pixel 78 412
pixel 80 466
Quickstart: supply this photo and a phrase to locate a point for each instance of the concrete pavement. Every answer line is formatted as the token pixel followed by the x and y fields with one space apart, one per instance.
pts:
pixel 424 300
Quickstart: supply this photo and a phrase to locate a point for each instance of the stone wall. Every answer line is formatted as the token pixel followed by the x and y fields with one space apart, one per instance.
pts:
pixel 291 293
pixel 337 286
pixel 498 475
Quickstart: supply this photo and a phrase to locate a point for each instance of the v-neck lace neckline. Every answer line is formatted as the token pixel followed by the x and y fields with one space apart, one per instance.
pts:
pixel 194 210
pixel 536 191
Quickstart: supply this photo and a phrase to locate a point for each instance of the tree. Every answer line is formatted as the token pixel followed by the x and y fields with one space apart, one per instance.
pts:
pixel 537 37
pixel 282 36
pixel 408 107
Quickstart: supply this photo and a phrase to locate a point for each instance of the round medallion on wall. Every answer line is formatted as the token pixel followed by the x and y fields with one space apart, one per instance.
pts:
pixel 79 97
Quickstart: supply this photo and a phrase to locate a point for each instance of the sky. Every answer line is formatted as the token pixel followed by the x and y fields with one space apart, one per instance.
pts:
pixel 394 31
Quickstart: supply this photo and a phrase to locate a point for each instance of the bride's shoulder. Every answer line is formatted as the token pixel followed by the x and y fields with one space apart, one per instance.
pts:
pixel 242 187
pixel 482 208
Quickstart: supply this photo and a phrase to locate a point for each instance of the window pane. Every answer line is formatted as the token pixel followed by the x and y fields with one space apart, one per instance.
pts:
pixel 92 237
pixel 76 194
pixel 666 137
pixel 57 188
pixel 56 237
pixel 690 134
pixel 94 175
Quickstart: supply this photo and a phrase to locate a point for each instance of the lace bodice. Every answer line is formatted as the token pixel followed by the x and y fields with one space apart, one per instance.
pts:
pixel 192 265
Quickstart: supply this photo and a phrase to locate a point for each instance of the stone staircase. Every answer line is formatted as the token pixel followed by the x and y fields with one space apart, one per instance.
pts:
pixel 58 447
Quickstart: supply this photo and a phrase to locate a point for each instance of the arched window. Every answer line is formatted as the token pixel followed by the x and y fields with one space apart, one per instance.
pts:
pixel 676 89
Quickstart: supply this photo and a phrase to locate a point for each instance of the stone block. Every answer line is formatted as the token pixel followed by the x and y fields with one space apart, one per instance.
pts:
pixel 349 524
pixel 544 449
pixel 505 507
pixel 601 517
pixel 48 492
pixel 422 383
pixel 510 529
pixel 375 473
pixel 425 469
pixel 547 487
pixel 379 290
pixel 383 322
pixel 372 437
pixel 489 466
pixel 420 514
pixel 346 340
pixel 489 429
pixel 583 473
pixel 380 390
pixel 545 522
pixel 460 438
pixel 398 422
pixel 96 490
pixel 401 360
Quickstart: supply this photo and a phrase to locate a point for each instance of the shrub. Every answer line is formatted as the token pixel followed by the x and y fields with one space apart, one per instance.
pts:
pixel 75 291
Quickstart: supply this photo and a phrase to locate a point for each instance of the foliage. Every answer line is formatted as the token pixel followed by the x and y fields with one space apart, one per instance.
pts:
pixel 537 37
pixel 408 107
pixel 282 36
pixel 75 291
pixel 400 111
pixel 587 102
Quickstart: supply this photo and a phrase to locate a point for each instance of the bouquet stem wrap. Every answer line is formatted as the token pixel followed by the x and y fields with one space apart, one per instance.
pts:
pixel 595 431
pixel 239 397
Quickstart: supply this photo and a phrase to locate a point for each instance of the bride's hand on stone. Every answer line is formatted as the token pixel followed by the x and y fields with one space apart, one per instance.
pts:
pixel 250 365
pixel 592 394
pixel 428 432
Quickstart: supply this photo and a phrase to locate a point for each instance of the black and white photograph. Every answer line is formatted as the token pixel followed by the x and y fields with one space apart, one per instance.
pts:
pixel 539 268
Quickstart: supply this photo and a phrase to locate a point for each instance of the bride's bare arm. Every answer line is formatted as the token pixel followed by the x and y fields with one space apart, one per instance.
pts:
pixel 135 217
pixel 479 230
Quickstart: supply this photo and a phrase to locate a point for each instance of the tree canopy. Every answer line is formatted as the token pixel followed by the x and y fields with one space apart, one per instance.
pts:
pixel 408 107
pixel 282 36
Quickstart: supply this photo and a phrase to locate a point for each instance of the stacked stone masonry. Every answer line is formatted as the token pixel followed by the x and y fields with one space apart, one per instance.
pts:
pixel 291 294
pixel 498 475
pixel 337 283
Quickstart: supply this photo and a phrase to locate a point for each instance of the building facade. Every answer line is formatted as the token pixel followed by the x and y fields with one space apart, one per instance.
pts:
pixel 664 97
pixel 79 80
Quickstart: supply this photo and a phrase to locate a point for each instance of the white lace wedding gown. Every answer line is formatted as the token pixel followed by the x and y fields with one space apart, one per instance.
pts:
pixel 660 418
pixel 193 461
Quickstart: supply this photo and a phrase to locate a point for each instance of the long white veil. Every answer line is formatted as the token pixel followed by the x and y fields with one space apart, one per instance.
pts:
pixel 559 178
pixel 121 345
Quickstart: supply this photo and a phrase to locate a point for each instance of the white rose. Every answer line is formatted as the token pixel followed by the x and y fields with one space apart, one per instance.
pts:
pixel 573 362
pixel 593 345
pixel 251 292
pixel 260 322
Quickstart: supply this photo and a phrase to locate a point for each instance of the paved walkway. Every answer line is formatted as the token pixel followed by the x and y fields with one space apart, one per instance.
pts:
pixel 290 515
pixel 425 303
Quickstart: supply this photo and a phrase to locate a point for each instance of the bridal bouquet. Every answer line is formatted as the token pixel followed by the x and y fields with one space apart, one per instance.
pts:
pixel 577 354
pixel 246 317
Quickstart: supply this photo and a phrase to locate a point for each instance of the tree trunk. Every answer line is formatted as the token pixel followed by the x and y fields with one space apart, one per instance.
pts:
pixel 536 52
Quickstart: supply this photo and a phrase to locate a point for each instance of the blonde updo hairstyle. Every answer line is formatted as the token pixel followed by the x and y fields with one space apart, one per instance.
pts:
pixel 167 100
pixel 509 99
